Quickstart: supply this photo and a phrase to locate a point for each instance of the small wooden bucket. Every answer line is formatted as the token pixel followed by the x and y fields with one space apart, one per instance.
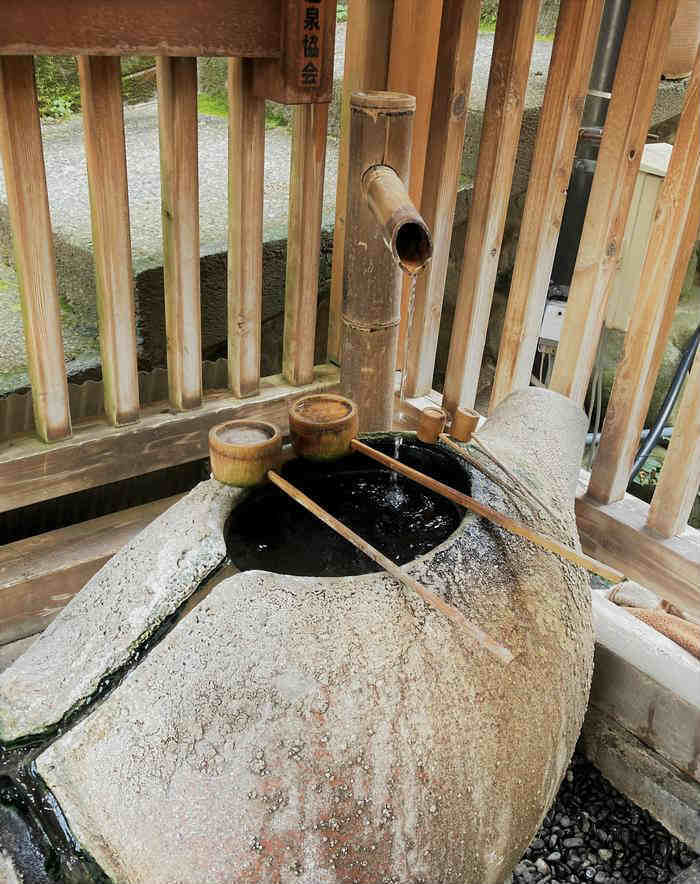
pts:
pixel 322 425
pixel 242 451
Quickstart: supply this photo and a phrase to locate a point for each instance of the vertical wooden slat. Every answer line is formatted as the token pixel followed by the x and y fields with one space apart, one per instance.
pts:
pixel 505 100
pixel 246 186
pixel 100 84
pixel 25 182
pixel 458 33
pixel 626 126
pixel 415 36
pixel 179 181
pixel 678 483
pixel 671 239
pixel 567 85
pixel 366 66
pixel 304 240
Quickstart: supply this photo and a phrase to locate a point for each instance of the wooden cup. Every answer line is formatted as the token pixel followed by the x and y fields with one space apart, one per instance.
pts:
pixel 322 425
pixel 464 423
pixel 430 424
pixel 242 451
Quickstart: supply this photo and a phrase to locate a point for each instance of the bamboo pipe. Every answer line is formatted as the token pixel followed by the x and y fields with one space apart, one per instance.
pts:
pixel 430 598
pixel 493 516
pixel 405 233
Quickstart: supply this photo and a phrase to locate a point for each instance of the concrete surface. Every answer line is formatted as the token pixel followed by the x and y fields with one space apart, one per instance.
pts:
pixel 116 610
pixel 299 730
pixel 643 776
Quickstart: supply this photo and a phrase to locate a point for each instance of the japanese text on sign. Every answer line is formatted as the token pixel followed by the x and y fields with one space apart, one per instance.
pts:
pixel 311 44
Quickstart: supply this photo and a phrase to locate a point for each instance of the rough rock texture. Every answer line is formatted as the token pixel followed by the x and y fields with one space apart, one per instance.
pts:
pixel 314 730
pixel 119 607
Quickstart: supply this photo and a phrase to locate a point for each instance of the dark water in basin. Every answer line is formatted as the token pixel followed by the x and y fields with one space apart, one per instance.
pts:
pixel 400 518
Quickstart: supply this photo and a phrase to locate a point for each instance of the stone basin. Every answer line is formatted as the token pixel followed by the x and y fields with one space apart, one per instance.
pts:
pixel 315 729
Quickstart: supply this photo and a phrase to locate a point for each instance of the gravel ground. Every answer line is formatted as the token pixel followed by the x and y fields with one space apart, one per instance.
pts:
pixel 594 834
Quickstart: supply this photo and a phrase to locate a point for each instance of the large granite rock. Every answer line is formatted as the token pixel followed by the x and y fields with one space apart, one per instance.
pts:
pixel 115 611
pixel 298 729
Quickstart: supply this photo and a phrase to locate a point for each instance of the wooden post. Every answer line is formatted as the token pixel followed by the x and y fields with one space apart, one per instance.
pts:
pixel 179 179
pixel 27 198
pixel 569 74
pixel 678 483
pixel 246 157
pixel 415 37
pixel 626 126
pixel 380 134
pixel 304 241
pixel 105 152
pixel 505 101
pixel 671 239
pixel 366 65
pixel 458 33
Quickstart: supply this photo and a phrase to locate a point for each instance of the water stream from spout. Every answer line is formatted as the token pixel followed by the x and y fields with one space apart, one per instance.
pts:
pixel 407 335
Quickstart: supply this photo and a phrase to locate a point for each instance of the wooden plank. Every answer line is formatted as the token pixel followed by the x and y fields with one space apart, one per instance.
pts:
pixel 415 36
pixel 179 180
pixel 97 454
pixel 673 234
pixel 557 134
pixel 626 126
pixel 40 575
pixel 159 27
pixel 615 533
pixel 678 483
pixel 304 241
pixel 458 34
pixel 105 152
pixel 505 101
pixel 28 203
pixel 304 73
pixel 366 65
pixel 246 161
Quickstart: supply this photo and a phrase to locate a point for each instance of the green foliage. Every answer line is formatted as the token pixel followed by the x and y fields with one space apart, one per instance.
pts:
pixel 649 473
pixel 215 105
pixel 57 86
pixel 342 10
pixel 275 115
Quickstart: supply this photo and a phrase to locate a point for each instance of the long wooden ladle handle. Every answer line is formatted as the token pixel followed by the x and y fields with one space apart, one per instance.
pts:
pixel 512 525
pixel 390 567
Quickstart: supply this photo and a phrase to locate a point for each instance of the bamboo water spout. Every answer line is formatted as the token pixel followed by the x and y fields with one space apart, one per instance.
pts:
pixel 385 235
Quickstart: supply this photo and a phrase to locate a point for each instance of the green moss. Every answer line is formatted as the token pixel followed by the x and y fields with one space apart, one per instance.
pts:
pixel 215 105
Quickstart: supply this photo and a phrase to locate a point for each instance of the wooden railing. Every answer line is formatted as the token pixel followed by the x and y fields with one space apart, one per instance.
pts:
pixel 390 44
pixel 653 544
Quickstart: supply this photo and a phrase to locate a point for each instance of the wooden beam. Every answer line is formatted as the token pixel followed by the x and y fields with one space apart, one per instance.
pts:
pixel 366 65
pixel 126 27
pixel 40 575
pixel 672 237
pixel 678 483
pixel 458 34
pixel 97 454
pixel 616 534
pixel 304 240
pixel 179 181
pixel 28 203
pixel 415 36
pixel 626 126
pixel 246 161
pixel 105 152
pixel 567 85
pixel 505 101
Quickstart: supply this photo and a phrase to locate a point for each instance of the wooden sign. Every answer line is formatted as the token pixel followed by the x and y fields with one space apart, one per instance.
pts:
pixel 304 74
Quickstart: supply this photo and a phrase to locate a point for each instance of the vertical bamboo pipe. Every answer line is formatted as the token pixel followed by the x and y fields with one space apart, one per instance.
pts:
pixel 380 152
